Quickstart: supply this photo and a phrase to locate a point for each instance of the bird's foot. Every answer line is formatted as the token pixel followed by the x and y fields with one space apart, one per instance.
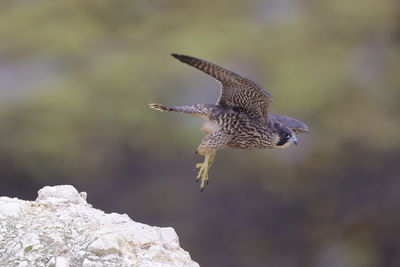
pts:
pixel 204 167
pixel 202 176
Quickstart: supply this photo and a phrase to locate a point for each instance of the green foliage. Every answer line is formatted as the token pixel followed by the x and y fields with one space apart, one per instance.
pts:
pixel 28 249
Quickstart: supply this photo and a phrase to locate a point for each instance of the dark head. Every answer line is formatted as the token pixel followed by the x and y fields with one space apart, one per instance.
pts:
pixel 285 136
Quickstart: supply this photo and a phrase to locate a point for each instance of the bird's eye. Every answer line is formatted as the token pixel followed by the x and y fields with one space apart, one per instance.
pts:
pixel 286 135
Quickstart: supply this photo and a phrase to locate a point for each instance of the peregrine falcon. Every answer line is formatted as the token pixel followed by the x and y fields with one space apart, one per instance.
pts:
pixel 239 119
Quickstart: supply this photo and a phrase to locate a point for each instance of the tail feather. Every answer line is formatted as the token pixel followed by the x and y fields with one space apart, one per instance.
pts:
pixel 195 110
pixel 160 107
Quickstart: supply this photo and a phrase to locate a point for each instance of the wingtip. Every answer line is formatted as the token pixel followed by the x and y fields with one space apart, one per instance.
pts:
pixel 306 129
pixel 182 58
pixel 177 56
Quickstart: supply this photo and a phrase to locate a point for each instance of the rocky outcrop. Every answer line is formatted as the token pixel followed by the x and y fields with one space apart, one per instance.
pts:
pixel 60 229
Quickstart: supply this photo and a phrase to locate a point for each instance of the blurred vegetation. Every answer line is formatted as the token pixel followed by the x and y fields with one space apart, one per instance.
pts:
pixel 76 77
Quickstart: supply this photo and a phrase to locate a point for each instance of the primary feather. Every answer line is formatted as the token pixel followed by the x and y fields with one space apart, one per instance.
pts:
pixel 236 91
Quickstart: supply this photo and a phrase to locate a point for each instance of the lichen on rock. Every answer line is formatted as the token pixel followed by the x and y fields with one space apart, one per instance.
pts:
pixel 61 229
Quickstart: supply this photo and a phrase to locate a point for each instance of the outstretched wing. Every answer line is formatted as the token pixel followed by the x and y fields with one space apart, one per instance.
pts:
pixel 296 125
pixel 236 91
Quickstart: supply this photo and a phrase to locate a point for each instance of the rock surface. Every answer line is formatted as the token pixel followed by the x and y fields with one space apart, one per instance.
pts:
pixel 60 229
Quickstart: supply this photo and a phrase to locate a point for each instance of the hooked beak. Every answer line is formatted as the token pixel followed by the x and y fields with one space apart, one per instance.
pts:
pixel 293 140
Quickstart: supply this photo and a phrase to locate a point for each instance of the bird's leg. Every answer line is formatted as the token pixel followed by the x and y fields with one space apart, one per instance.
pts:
pixel 204 167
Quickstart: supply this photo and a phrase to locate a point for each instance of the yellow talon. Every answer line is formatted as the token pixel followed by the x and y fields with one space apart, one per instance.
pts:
pixel 204 167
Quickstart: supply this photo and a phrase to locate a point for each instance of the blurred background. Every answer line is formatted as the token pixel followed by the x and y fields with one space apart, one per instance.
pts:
pixel 76 78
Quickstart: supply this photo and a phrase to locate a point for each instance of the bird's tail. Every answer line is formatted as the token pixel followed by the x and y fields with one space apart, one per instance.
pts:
pixel 195 110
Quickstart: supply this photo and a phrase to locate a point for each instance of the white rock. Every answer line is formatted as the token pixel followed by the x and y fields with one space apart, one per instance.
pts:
pixel 30 240
pixel 56 195
pixel 60 224
pixel 83 195
pixel 11 207
pixel 58 262
pixel 169 236
pixel 115 218
pixel 88 263
pixel 106 244
pixel 18 251
pixel 23 264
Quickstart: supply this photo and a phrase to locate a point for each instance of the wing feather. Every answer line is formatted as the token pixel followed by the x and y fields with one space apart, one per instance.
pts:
pixel 236 91
pixel 296 125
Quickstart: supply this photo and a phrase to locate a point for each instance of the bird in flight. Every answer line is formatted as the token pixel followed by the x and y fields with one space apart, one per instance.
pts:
pixel 239 119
